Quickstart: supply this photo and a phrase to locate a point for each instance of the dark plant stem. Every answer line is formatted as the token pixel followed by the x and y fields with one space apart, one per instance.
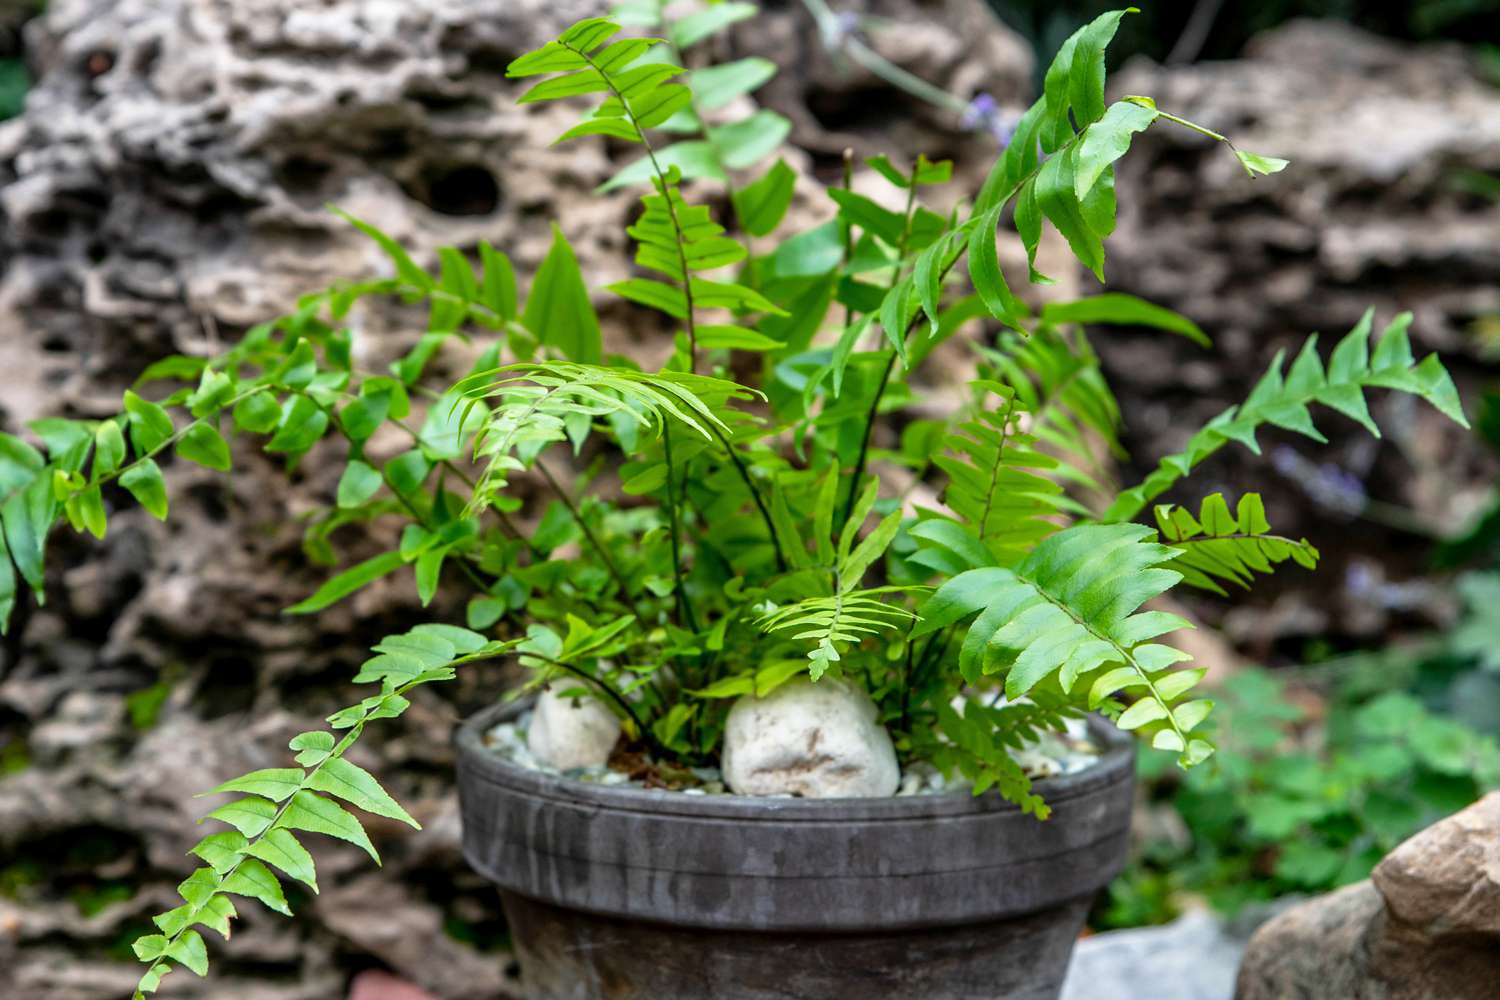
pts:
pixel 760 504
pixel 684 606
pixel 666 193
pixel 890 364
pixel 848 230
pixel 864 444
pixel 656 748
pixel 593 540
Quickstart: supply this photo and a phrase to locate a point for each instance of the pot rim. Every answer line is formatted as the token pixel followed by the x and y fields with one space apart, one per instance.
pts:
pixel 1117 761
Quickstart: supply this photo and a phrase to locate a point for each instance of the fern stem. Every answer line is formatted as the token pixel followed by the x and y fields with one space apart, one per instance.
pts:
pixel 990 490
pixel 588 533
pixel 848 230
pixel 890 364
pixel 684 606
pixel 666 193
pixel 760 504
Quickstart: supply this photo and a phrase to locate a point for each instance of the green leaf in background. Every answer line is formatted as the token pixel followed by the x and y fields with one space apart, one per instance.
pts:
pixel 694 28
pixel 407 471
pixel 202 444
pixel 498 286
pixel 558 310
pixel 358 483
pixel 715 86
pixel 746 142
pixel 1120 309
pixel 145 483
pixel 694 158
pixel 348 582
pixel 762 204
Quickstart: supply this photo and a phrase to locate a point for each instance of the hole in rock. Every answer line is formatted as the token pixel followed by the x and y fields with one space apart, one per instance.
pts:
pixel 98 62
pixel 303 175
pixel 463 190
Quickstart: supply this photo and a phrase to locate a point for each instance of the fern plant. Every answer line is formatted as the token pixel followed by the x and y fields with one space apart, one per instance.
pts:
pixel 727 534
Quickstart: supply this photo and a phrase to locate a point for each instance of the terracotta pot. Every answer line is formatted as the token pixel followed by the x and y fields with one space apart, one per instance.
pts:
pixel 617 892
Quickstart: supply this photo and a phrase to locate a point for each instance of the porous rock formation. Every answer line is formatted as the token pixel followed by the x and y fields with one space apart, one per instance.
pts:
pixel 164 191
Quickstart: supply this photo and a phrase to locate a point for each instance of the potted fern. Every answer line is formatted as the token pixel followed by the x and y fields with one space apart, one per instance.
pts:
pixel 728 549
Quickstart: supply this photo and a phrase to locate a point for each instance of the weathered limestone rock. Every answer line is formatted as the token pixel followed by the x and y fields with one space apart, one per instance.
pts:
pixel 817 740
pixel 1426 927
pixel 568 732
pixel 1445 881
pixel 1371 210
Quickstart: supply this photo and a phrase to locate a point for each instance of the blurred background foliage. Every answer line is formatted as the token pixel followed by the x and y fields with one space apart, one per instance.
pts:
pixel 1219 29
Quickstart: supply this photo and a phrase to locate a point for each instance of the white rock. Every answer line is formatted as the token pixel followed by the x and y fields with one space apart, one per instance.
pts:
pixel 571 732
pixel 817 740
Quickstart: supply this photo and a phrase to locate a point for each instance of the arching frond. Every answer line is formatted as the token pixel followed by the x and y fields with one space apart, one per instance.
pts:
pixel 537 405
pixel 848 612
pixel 1071 410
pixel 1069 611
pixel 1283 401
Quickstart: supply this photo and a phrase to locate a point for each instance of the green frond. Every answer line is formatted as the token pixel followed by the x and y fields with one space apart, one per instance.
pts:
pixel 1218 545
pixel 998 481
pixel 533 406
pixel 835 621
pixel 1283 401
pixel 1059 384
pixel 847 613
pixel 280 803
pixel 1070 611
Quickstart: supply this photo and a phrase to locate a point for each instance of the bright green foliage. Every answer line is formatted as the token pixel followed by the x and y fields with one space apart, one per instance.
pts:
pixel 997 481
pixel 848 613
pixel 1218 545
pixel 1283 400
pixel 978 744
pixel 282 802
pixel 705 534
pixel 1069 612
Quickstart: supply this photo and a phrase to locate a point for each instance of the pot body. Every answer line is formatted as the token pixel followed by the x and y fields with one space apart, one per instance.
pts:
pixel 622 893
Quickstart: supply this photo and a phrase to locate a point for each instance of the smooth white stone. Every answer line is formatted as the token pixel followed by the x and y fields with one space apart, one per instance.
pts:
pixel 818 740
pixel 568 733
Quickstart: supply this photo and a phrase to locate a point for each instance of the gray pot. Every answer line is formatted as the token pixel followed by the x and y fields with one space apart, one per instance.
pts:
pixel 616 892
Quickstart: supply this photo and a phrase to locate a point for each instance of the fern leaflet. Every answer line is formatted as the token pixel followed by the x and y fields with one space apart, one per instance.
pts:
pixel 1218 545
pixel 1283 401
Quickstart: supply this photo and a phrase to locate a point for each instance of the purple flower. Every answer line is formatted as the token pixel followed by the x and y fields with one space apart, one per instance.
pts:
pixel 985 114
